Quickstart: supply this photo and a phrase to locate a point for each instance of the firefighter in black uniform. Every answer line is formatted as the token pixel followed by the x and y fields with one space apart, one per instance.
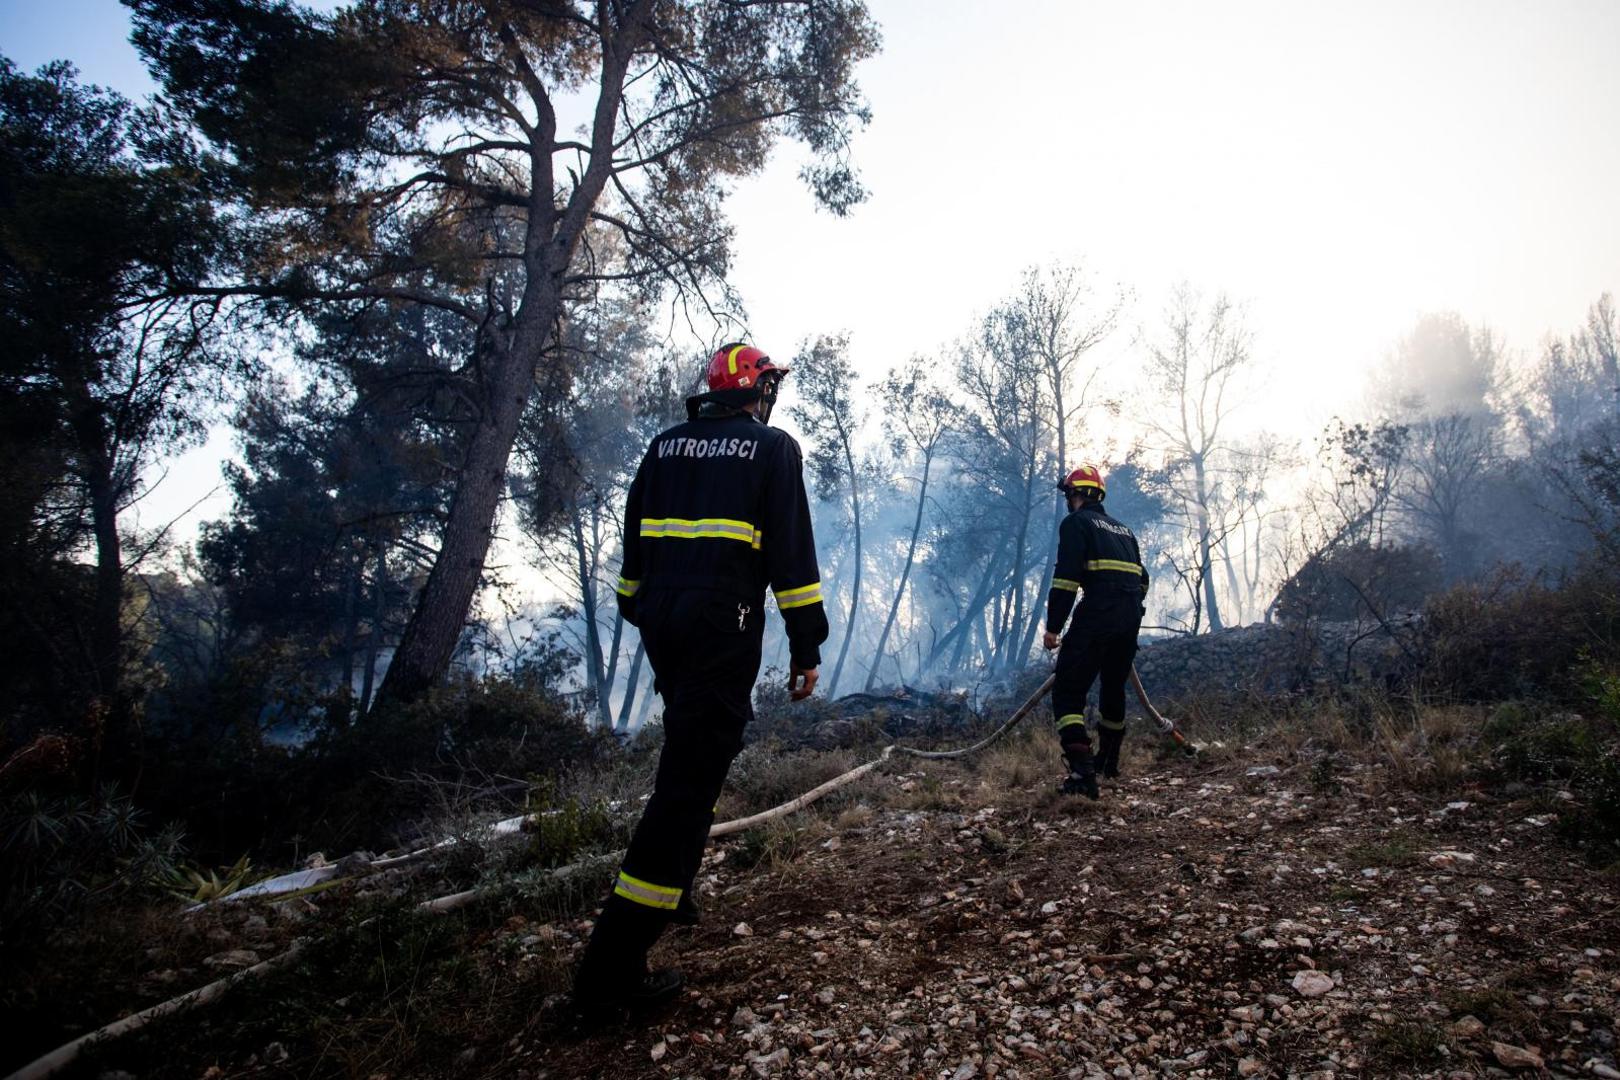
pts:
pixel 1098 558
pixel 716 514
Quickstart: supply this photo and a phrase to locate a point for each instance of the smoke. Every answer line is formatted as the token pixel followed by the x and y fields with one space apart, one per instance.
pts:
pixel 1443 367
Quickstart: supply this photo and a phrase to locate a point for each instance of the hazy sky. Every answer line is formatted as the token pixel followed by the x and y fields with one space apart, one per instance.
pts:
pixel 1339 168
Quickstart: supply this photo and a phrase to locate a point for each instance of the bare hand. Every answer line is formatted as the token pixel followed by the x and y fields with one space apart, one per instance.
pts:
pixel 1049 640
pixel 799 691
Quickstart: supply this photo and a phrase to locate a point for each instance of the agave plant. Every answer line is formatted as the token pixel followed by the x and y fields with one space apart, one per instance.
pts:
pixel 199 886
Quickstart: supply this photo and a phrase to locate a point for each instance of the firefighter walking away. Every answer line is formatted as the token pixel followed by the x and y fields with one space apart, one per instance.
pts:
pixel 717 513
pixel 1099 561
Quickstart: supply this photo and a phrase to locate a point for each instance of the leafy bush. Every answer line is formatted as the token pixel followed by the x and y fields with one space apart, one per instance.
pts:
pixel 772 845
pixel 363 781
pixel 764 775
pixel 1512 638
pixel 564 829
pixel 1579 752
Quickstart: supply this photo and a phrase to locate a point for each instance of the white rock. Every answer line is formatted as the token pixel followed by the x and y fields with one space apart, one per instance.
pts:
pixel 660 1048
pixel 742 929
pixel 1312 984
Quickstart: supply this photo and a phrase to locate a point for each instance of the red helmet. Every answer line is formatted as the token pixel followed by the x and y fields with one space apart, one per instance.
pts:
pixel 738 367
pixel 1086 476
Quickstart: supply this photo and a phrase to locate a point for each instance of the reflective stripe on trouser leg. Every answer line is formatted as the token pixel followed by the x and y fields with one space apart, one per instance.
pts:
pixel 646 893
pixel 1111 725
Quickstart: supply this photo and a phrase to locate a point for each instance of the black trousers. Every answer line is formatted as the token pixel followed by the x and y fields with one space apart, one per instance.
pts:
pixel 1092 647
pixel 705 651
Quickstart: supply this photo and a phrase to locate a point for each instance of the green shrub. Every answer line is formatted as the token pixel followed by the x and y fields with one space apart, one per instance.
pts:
pixel 772 846
pixel 1580 752
pixel 764 775
pixel 1406 1044
pixel 564 829
pixel 1510 637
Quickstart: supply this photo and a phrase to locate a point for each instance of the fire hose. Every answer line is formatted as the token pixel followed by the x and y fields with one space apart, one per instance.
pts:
pixel 65 1055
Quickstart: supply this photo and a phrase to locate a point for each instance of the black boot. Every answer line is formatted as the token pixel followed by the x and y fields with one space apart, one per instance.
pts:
pixel 1082 778
pixel 651 990
pixel 687 913
pixel 1109 741
pixel 613 973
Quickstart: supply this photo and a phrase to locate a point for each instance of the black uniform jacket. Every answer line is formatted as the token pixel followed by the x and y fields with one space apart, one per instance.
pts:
pixel 1099 557
pixel 718 504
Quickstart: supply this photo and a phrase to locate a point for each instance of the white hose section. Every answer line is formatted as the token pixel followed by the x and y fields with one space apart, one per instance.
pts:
pixel 66 1054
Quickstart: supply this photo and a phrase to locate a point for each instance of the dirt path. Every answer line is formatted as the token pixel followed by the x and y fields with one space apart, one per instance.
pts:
pixel 1204 919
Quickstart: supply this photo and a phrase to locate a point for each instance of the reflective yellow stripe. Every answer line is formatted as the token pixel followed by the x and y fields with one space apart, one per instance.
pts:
pixel 1071 718
pixel 803 596
pixel 1111 725
pixel 646 893
pixel 1065 584
pixel 731 358
pixel 1114 564
pixel 697 528
pixel 627 587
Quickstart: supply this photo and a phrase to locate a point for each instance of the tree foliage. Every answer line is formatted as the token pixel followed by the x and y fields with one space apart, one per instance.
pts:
pixel 101 204
pixel 424 152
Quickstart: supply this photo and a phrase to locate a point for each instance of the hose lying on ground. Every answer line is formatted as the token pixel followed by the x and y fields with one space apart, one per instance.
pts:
pixel 66 1054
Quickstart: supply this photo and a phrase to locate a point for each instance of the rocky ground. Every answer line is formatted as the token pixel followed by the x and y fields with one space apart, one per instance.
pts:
pixel 1251 912
pixel 1203 919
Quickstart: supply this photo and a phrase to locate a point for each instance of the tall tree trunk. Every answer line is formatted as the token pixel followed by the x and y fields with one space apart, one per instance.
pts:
pixel 111 717
pixel 379 579
pixel 623 724
pixel 905 573
pixel 593 640
pixel 618 616
pixel 435 626
pixel 1037 616
pixel 975 608
pixel 351 622
pixel 646 705
pixel 551 237
pixel 1232 587
pixel 1206 559
pixel 1006 646
pixel 613 648
pixel 107 631
pixel 855 588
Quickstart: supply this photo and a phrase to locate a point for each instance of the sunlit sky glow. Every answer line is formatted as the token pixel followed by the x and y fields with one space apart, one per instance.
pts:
pixel 1338 168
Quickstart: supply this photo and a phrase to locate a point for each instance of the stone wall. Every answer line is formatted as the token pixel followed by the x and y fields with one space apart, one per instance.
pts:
pixel 1271 659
